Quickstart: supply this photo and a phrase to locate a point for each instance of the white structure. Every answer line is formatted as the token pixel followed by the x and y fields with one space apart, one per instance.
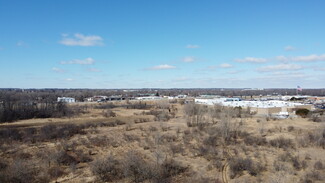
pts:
pixel 235 102
pixel 66 99
pixel 149 98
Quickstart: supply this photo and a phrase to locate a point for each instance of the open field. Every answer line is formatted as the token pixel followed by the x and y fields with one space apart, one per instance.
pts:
pixel 162 142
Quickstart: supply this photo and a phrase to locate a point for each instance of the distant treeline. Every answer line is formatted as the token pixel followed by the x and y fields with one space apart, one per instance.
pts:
pixel 80 94
pixel 17 105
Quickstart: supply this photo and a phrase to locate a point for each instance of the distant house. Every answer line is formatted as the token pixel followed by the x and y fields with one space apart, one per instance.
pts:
pixel 66 99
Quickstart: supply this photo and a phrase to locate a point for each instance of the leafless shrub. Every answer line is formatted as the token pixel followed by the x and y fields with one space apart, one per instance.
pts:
pixel 50 132
pixel 100 141
pixel 296 162
pixel 141 120
pixel 107 169
pixel 319 165
pixel 168 169
pixel 108 113
pixel 55 172
pixel 282 142
pixel 20 171
pixel 153 128
pixel 136 167
pixel 291 128
pixel 131 137
pixel 11 134
pixel 238 165
pixel 176 148
pixel 138 105
pixel 23 155
pixel 168 138
pixel 280 166
pixel 195 112
pixel 255 140
pixel 316 138
pixel 312 176
pixel 105 106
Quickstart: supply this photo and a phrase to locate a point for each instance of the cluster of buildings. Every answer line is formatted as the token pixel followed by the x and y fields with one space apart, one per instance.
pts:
pixel 261 105
pixel 279 107
pixel 66 99
pixel 120 98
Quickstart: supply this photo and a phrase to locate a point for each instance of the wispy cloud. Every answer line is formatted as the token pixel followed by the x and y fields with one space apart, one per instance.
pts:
pixel 58 70
pixel 189 59
pixel 289 48
pixel 21 44
pixel 319 69
pixel 161 67
pixel 93 70
pixel 81 40
pixel 192 46
pixel 208 68
pixel 280 67
pixel 87 61
pixel 226 65
pixel 308 58
pixel 69 79
pixel 251 60
pixel 235 71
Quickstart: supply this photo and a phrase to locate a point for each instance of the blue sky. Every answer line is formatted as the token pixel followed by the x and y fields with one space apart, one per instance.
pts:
pixel 162 44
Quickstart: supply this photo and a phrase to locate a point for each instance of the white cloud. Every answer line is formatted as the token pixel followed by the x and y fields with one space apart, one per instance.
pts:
pixel 280 67
pixel 192 46
pixel 87 61
pixel 189 59
pixel 21 44
pixel 69 79
pixel 319 69
pixel 251 60
pixel 225 65
pixel 289 48
pixel 93 70
pixel 308 58
pixel 81 40
pixel 210 68
pixel 162 67
pixel 58 70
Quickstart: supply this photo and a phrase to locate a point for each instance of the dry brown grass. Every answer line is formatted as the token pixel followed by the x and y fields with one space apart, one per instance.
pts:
pixel 142 145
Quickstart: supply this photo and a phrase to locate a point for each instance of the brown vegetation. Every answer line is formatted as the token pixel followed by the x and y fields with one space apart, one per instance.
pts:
pixel 161 142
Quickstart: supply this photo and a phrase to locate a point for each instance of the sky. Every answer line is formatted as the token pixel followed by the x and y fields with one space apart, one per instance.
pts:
pixel 162 44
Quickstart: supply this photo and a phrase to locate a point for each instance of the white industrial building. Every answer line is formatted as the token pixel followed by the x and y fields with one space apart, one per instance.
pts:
pixel 236 102
pixel 270 107
pixel 66 99
pixel 149 98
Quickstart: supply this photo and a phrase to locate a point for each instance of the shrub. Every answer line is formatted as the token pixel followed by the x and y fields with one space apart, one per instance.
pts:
pixel 313 175
pixel 176 148
pixel 319 165
pixel 168 169
pixel 282 142
pixel 294 160
pixel 254 140
pixel 108 113
pixel 55 172
pixel 302 112
pixel 238 165
pixel 20 171
pixel 291 128
pixel 136 167
pixel 107 169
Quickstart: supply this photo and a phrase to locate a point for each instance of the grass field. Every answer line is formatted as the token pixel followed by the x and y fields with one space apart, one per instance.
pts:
pixel 162 142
